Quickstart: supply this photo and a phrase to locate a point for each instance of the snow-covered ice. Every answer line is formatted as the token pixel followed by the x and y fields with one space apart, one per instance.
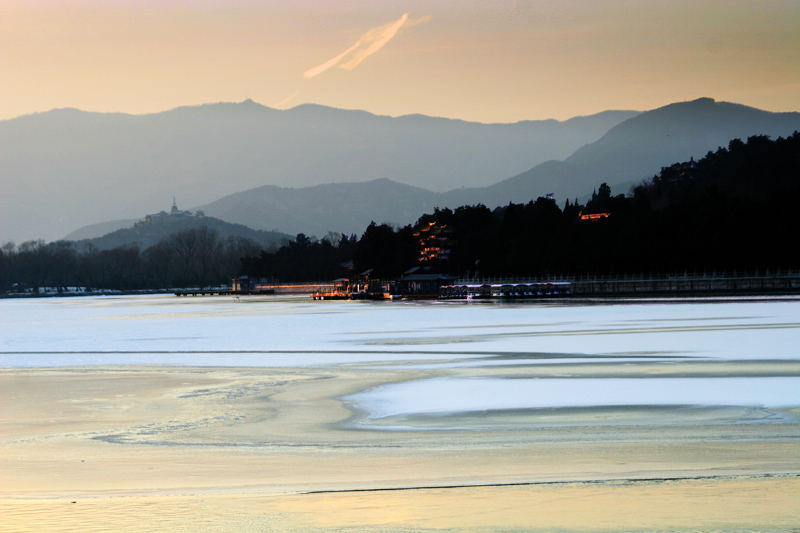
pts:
pixel 442 395
pixel 281 331
pixel 298 332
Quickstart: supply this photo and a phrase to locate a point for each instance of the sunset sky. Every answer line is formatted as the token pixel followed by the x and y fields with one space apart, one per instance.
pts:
pixel 499 61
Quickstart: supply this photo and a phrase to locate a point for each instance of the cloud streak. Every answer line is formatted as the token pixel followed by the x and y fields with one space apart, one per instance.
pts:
pixel 368 44
pixel 286 100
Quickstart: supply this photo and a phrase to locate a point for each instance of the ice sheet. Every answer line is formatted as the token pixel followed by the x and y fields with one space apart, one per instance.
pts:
pixel 283 331
pixel 451 395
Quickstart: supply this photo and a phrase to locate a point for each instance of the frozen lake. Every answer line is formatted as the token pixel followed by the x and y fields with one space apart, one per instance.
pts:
pixel 298 331
pixel 294 331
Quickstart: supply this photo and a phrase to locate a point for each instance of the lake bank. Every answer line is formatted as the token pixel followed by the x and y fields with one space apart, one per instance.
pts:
pixel 277 447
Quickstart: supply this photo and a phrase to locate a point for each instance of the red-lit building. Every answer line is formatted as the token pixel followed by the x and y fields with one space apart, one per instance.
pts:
pixel 435 241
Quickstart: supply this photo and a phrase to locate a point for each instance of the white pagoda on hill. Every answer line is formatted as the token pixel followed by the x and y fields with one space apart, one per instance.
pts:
pixel 173 212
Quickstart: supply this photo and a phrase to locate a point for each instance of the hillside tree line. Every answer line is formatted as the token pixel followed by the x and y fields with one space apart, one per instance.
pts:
pixel 195 257
pixel 732 210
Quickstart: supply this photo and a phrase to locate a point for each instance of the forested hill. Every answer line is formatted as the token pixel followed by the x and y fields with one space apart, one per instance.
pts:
pixel 733 210
pixel 147 234
pixel 174 251
pixel 758 171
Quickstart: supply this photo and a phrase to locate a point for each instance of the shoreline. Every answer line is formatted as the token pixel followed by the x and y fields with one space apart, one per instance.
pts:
pixel 699 294
pixel 278 448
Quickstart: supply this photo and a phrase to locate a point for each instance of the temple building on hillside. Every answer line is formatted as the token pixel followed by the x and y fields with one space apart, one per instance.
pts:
pixel 435 241
pixel 173 212
pixel 592 217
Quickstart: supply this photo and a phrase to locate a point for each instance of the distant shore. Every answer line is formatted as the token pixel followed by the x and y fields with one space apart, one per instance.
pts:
pixel 69 294
pixel 306 289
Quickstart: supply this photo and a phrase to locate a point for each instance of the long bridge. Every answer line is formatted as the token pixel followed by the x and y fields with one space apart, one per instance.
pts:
pixel 764 282
pixel 758 282
pixel 222 292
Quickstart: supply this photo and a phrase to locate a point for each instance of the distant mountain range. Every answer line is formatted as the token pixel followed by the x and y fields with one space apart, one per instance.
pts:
pixel 93 231
pixel 627 154
pixel 66 168
pixel 637 148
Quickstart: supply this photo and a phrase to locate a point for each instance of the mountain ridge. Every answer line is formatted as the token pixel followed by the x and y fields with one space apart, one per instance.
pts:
pixel 576 176
pixel 69 168
pixel 627 152
pixel 638 147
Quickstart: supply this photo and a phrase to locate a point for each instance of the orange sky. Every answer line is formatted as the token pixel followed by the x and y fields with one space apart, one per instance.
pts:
pixel 499 61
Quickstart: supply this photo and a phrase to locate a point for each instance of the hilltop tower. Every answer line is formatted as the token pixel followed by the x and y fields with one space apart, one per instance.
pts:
pixel 174 209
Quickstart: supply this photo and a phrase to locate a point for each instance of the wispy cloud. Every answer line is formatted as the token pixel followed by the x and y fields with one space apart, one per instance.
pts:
pixel 286 100
pixel 368 44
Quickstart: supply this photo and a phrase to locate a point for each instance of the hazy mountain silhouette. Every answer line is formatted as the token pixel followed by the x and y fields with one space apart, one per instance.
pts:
pixel 66 168
pixel 346 208
pixel 636 149
pixel 98 230
pixel 629 153
pixel 147 234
